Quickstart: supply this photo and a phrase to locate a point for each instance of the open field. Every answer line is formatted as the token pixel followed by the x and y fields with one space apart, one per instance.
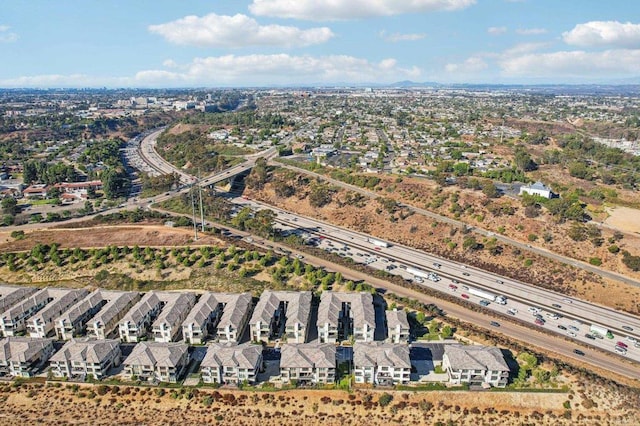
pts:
pixel 83 404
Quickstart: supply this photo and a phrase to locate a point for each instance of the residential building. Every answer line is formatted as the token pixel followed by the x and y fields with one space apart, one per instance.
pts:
pixel 281 314
pixel 341 315
pixel 308 363
pixel 157 362
pixel 14 319
pixel 222 315
pixel 82 358
pixel 105 322
pixel 71 322
pixel 43 322
pixel 398 330
pixel 381 363
pixel 224 363
pixel 475 365
pixel 538 188
pixel 135 323
pixel 168 325
pixel 24 356
pixel 35 191
pixel 10 295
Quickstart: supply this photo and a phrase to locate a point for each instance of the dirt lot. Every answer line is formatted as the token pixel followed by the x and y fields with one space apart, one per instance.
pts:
pixel 624 218
pixel 40 404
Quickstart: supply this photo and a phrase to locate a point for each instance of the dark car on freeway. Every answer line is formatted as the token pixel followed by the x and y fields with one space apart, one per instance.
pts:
pixel 578 352
pixel 495 323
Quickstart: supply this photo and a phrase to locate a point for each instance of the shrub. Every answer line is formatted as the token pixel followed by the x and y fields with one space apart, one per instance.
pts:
pixel 595 261
pixel 385 399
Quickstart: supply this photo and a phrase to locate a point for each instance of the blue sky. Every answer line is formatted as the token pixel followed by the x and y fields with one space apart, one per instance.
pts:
pixel 222 43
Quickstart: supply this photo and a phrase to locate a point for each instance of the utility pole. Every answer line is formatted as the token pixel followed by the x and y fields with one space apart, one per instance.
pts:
pixel 201 208
pixel 193 209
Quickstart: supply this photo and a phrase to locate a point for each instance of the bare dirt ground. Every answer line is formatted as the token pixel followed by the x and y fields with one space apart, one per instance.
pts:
pixel 624 218
pixel 42 404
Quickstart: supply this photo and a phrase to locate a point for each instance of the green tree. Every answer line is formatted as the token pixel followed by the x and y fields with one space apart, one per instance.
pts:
pixel 9 206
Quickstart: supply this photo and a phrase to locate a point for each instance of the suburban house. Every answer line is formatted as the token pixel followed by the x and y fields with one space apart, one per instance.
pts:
pixel 398 330
pixel 381 363
pixel 43 322
pixel 82 358
pixel 341 315
pixel 35 191
pixel 308 363
pixel 10 295
pixel 168 325
pixel 224 315
pixel 281 314
pixel 135 323
pixel 71 323
pixel 14 319
pixel 77 190
pixel 24 356
pixel 224 363
pixel 105 322
pixel 538 188
pixel 475 365
pixel 153 361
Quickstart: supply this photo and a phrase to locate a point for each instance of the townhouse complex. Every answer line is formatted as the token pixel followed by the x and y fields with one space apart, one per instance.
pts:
pixel 159 336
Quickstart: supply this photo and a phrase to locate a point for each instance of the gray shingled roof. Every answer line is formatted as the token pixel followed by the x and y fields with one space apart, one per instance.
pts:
pixel 79 309
pixel 142 308
pixel 10 295
pixel 156 354
pixel 381 354
pixel 62 298
pixel 466 357
pixel 177 306
pixel 235 307
pixel 308 355
pixel 117 302
pixel 298 309
pixel 21 349
pixel 245 355
pixel 362 309
pixel 397 317
pixel 88 351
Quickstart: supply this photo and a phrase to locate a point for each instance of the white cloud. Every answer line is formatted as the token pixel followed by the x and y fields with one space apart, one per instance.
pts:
pixel 397 37
pixel 496 30
pixel 6 36
pixel 237 31
pixel 473 64
pixel 334 10
pixel 523 48
pixel 249 70
pixel 531 31
pixel 604 33
pixel 573 64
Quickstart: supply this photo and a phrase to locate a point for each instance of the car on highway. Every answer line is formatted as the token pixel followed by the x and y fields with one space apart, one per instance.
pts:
pixel 622 345
pixel 495 323
pixel 437 265
pixel 574 328
pixel 484 303
pixel 567 300
pixel 590 336
pixel 466 274
pixel 453 287
pixel 500 281
pixel 464 296
pixel 534 310
pixel 632 339
pixel 620 350
pixel 299 256
pixel 539 322
pixel 578 352
pixel 562 327
pixel 555 305
pixel 571 333
pixel 512 311
pixel 418 280
pixel 553 316
pixel 455 281
pixel 626 327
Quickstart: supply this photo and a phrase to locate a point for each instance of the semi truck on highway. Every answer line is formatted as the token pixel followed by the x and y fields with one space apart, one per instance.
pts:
pixel 600 331
pixel 378 243
pixel 417 272
pixel 500 300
